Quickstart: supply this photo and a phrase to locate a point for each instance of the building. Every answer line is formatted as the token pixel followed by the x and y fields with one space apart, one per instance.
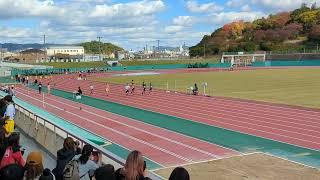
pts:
pixel 65 53
pixel 30 56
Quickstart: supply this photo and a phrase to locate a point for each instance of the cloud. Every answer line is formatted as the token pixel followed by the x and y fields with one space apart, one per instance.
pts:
pixel 283 5
pixel 195 7
pixel 173 29
pixel 28 8
pixel 246 8
pixel 235 3
pixel 183 21
pixel 140 8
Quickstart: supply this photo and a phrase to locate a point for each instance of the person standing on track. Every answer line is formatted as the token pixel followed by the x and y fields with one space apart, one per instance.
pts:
pixel 49 88
pixel 144 86
pixel 91 89
pixel 107 89
pixel 127 88
pixel 150 88
pixel 132 87
pixel 40 87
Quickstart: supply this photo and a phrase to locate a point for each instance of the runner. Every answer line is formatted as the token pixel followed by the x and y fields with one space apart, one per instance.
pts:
pixel 107 89
pixel 127 88
pixel 27 80
pixel 144 86
pixel 150 88
pixel 40 87
pixel 91 89
pixel 79 92
pixel 132 87
pixel 49 88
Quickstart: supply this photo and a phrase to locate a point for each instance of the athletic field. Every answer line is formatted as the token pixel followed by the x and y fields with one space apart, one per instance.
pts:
pixel 292 86
pixel 219 136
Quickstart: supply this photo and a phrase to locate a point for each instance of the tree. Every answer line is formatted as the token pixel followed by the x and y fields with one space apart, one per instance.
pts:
pixel 315 33
pixel 308 19
pixel 234 29
pixel 314 6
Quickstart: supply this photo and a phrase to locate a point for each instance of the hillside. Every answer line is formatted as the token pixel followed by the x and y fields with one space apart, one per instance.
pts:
pixel 106 48
pixel 284 31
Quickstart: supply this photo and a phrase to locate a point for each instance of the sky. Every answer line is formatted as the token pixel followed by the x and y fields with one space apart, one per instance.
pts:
pixel 131 24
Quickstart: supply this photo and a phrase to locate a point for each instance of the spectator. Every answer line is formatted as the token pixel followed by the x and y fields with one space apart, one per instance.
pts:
pixel 12 172
pixel 3 107
pixel 105 172
pixel 47 175
pixel 3 142
pixel 34 166
pixel 86 166
pixel 134 169
pixel 65 155
pixel 9 115
pixel 179 173
pixel 13 153
pixel 12 91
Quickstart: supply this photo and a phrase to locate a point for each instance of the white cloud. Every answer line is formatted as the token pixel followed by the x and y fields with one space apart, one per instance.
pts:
pixel 281 5
pixel 195 7
pixel 28 8
pixel 183 21
pixel 235 3
pixel 173 29
pixel 246 8
pixel 135 9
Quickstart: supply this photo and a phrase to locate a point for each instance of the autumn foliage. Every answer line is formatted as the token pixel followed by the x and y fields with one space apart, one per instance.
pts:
pixel 283 31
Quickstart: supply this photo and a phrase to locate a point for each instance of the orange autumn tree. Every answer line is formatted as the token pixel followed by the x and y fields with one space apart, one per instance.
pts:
pixel 234 29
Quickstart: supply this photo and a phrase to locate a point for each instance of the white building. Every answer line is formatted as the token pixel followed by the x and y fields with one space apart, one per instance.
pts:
pixel 71 53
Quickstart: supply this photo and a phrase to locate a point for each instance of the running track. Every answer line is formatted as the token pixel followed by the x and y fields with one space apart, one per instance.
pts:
pixel 162 146
pixel 292 125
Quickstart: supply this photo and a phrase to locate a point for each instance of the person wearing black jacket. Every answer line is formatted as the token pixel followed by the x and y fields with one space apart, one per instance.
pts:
pixel 64 155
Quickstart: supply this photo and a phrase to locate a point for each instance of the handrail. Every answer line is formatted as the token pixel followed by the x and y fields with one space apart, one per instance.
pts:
pixel 83 141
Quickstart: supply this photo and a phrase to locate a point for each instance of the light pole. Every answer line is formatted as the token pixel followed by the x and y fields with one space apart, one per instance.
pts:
pixel 99 37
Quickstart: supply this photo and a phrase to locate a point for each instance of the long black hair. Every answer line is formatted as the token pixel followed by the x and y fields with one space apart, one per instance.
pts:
pixel 86 153
pixel 14 139
pixel 179 173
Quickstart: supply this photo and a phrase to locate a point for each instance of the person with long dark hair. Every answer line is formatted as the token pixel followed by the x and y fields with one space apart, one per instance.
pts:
pixel 64 155
pixel 86 165
pixel 179 173
pixel 13 153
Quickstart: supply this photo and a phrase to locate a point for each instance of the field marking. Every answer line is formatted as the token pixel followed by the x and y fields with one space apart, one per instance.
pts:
pixel 118 132
pixel 199 162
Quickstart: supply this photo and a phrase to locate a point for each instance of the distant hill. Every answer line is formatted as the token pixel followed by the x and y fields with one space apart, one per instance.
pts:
pixel 90 47
pixel 106 48
pixel 284 31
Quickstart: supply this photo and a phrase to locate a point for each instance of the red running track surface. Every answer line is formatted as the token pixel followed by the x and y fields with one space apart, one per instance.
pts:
pixel 162 146
pixel 293 125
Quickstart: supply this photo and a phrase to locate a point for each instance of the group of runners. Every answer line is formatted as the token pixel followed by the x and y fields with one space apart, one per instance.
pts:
pixel 131 88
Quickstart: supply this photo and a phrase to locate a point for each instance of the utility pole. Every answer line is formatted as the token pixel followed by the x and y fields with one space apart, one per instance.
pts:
pixel 45 47
pixel 99 37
